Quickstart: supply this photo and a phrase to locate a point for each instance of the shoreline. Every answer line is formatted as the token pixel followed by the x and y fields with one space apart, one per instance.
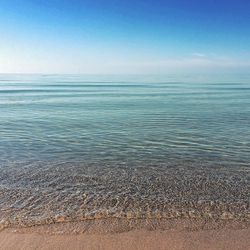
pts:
pixel 129 234
pixel 65 193
pixel 94 207
pixel 121 225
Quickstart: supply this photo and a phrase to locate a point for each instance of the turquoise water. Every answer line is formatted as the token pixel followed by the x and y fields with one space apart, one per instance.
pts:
pixel 82 136
pixel 76 118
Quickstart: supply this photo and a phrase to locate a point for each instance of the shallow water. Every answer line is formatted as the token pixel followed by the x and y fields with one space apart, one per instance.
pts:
pixel 75 147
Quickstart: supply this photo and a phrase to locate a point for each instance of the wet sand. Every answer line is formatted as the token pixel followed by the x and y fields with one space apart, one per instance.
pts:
pixel 137 239
pixel 130 234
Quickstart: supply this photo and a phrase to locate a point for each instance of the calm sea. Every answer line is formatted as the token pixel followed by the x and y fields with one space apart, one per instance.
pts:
pixel 73 144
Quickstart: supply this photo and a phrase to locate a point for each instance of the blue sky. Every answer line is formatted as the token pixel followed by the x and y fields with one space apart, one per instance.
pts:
pixel 98 36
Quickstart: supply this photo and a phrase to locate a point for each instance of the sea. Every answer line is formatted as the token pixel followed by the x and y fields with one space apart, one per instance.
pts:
pixel 77 147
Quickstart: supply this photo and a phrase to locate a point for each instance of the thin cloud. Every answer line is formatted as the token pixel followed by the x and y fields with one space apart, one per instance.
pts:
pixel 196 54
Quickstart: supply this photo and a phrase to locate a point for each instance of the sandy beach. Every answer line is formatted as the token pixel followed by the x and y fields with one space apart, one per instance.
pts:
pixel 138 239
pixel 129 234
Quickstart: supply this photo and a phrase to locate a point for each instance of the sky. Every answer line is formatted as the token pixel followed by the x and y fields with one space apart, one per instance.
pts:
pixel 124 37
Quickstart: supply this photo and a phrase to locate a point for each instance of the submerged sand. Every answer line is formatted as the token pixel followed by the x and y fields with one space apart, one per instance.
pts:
pixel 46 194
pixel 117 207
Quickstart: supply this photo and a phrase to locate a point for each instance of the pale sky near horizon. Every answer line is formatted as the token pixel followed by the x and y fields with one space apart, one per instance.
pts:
pixel 84 36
